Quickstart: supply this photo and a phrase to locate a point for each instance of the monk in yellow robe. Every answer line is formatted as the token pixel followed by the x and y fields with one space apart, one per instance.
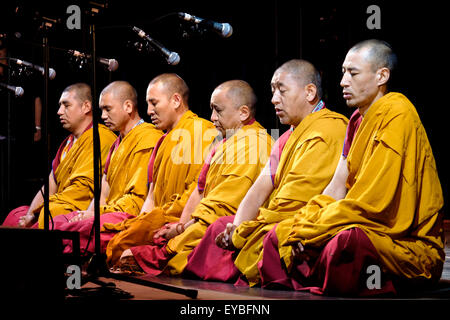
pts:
pixel 173 168
pixel 385 232
pixel 232 166
pixel 71 178
pixel 301 165
pixel 124 183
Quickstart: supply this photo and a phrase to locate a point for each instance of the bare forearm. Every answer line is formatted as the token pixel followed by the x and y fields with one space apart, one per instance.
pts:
pixel 104 193
pixel 337 192
pixel 37 202
pixel 149 202
pixel 255 197
pixel 337 187
pixel 249 207
pixel 190 206
pixel 38 199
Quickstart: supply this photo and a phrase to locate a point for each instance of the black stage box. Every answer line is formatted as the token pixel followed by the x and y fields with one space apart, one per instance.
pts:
pixel 32 264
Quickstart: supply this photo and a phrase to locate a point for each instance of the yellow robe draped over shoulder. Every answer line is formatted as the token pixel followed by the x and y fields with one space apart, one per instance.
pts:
pixel 175 172
pixel 307 164
pixel 127 171
pixel 178 164
pixel 394 195
pixel 234 168
pixel 74 175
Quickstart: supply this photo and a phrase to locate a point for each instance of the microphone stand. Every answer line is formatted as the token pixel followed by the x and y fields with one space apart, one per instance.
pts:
pixel 46 131
pixel 6 185
pixel 8 142
pixel 97 265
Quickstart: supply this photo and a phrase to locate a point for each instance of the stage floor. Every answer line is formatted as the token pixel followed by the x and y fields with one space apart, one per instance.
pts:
pixel 208 290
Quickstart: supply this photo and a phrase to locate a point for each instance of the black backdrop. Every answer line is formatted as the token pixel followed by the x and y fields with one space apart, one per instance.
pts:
pixel 266 34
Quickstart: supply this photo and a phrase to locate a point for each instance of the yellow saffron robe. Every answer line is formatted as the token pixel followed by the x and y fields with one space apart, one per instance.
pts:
pixel 175 172
pixel 306 166
pixel 394 195
pixel 127 171
pixel 75 173
pixel 234 168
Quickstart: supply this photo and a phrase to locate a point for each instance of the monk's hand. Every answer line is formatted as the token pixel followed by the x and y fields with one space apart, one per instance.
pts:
pixel 169 230
pixel 223 239
pixel 27 220
pixel 82 215
pixel 299 252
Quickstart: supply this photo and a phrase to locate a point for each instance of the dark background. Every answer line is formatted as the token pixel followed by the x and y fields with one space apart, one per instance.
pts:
pixel 266 34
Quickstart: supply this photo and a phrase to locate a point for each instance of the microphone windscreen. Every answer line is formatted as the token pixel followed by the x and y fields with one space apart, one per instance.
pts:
pixel 19 91
pixel 113 65
pixel 51 73
pixel 173 59
pixel 227 30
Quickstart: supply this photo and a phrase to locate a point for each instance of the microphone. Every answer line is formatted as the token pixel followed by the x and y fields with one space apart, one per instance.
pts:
pixel 16 35
pixel 51 71
pixel 111 63
pixel 172 57
pixel 224 29
pixel 18 91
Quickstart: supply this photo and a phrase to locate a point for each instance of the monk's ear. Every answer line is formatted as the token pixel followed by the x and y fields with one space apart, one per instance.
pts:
pixel 86 107
pixel 177 100
pixel 128 106
pixel 383 76
pixel 311 92
pixel 244 113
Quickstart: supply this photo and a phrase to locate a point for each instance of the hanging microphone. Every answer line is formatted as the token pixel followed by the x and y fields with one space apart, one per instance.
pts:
pixel 51 71
pixel 18 91
pixel 16 35
pixel 224 29
pixel 111 63
pixel 172 57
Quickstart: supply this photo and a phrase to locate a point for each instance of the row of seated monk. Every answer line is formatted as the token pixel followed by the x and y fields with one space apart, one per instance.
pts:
pixel 333 206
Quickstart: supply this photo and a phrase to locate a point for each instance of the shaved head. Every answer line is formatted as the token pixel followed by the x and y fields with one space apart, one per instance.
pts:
pixel 82 91
pixel 122 91
pixel 241 93
pixel 304 72
pixel 172 83
pixel 379 54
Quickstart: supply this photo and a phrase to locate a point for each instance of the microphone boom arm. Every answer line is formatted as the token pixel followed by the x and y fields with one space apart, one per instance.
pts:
pixel 171 57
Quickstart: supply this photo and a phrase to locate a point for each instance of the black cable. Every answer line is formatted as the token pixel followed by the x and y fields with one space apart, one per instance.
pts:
pixel 89 239
pixel 51 217
pixel 164 16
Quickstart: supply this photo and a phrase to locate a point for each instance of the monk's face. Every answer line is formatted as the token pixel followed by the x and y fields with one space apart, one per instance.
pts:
pixel 224 114
pixel 161 106
pixel 114 113
pixel 71 111
pixel 288 97
pixel 359 80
